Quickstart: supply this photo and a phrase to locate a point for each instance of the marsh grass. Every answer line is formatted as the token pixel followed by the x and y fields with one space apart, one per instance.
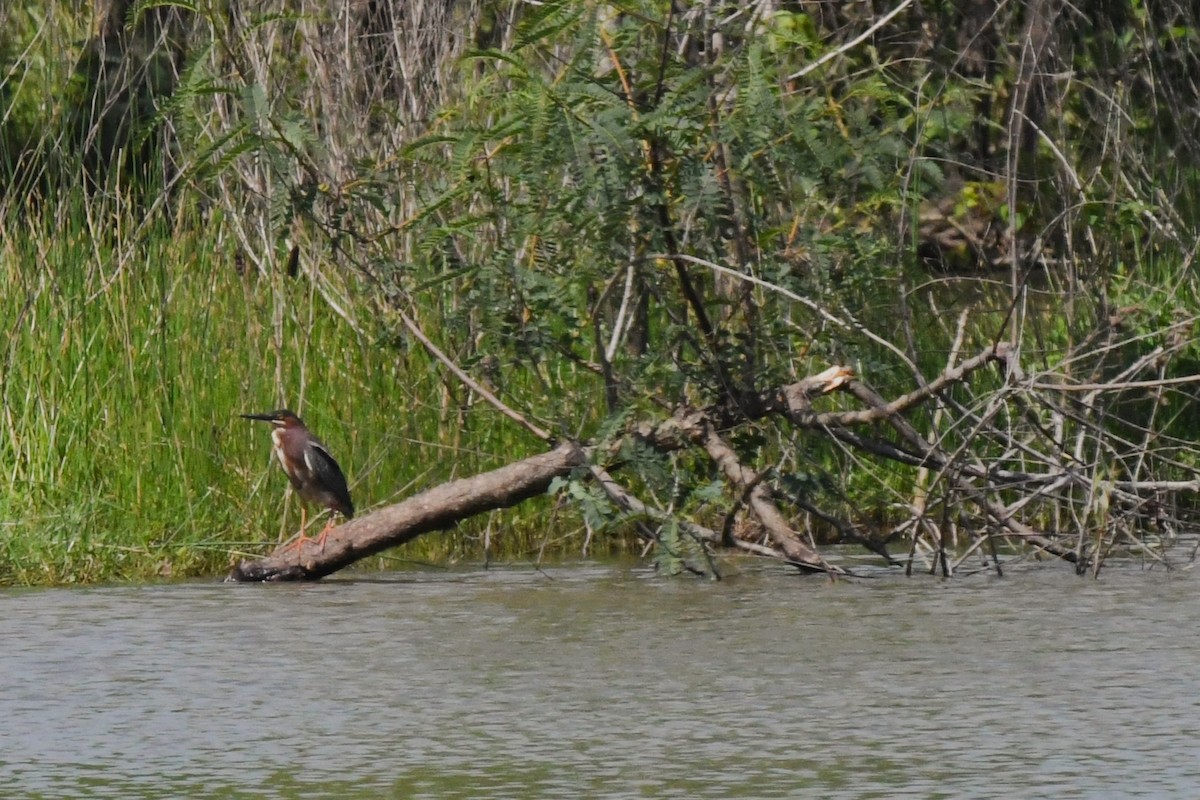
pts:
pixel 130 353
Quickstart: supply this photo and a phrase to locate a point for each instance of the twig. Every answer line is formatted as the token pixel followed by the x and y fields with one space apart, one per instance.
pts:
pixel 853 324
pixel 470 382
pixel 850 45
pixel 633 505
pixel 1114 386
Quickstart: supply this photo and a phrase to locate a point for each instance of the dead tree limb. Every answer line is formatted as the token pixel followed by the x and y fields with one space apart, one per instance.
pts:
pixel 891 410
pixel 435 509
pixel 993 509
pixel 761 501
pixel 631 504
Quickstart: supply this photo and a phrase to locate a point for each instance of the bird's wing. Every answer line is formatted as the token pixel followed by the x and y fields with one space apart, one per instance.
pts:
pixel 329 475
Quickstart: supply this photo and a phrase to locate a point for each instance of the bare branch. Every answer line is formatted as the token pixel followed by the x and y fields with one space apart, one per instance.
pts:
pixel 470 382
pixel 850 45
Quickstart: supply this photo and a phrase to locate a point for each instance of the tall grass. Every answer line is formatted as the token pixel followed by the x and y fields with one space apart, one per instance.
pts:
pixel 128 360
pixel 133 343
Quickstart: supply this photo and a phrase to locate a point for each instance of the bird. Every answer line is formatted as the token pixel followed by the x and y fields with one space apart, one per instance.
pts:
pixel 314 473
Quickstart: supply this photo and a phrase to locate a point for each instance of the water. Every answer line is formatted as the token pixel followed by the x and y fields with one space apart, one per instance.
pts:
pixel 605 681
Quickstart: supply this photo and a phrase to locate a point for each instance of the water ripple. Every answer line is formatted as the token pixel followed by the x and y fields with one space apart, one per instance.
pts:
pixel 597 681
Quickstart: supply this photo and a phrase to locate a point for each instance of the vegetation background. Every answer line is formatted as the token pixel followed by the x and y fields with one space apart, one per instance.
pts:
pixel 599 211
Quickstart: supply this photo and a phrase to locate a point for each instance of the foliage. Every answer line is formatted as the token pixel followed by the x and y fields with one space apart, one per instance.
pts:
pixel 542 188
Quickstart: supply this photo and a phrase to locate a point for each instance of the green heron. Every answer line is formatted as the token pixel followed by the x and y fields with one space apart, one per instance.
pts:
pixel 314 474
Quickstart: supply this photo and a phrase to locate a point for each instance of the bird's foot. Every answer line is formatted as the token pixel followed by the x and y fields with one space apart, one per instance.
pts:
pixel 324 535
pixel 297 542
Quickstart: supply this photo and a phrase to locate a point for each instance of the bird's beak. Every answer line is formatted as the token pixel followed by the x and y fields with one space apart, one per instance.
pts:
pixel 262 417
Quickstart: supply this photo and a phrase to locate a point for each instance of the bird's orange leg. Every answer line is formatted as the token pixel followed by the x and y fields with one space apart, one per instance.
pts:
pixel 300 537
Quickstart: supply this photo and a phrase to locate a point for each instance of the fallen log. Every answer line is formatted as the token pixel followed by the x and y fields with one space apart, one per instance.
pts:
pixel 443 506
pixel 435 509
pixel 968 476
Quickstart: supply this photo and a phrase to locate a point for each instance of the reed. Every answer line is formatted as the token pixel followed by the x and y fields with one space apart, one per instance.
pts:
pixel 127 363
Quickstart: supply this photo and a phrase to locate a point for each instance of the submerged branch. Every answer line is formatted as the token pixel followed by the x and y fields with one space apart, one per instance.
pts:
pixel 760 500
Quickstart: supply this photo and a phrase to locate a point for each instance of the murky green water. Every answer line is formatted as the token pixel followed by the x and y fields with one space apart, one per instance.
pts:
pixel 600 681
